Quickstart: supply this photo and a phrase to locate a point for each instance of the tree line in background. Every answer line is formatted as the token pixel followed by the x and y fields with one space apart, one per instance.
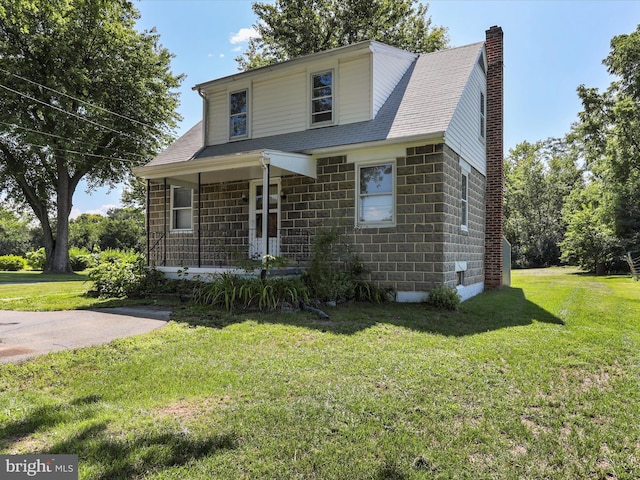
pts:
pixel 577 200
pixel 120 228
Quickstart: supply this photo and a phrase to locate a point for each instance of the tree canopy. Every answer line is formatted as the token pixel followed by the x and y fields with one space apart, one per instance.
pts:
pixel 595 216
pixel 84 95
pixel 538 179
pixel 609 129
pixel 292 28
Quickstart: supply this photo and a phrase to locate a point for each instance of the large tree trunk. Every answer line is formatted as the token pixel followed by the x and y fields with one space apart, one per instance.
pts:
pixel 58 254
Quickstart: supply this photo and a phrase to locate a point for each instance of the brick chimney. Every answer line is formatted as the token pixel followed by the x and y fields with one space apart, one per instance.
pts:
pixel 495 172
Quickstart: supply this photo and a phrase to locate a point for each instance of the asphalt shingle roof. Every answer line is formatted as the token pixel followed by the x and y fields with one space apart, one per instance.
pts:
pixel 422 103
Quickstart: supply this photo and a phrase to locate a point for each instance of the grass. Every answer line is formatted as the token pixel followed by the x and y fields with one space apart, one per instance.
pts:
pixel 35 291
pixel 539 380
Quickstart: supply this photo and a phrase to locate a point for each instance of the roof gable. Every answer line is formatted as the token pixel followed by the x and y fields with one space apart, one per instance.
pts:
pixel 421 105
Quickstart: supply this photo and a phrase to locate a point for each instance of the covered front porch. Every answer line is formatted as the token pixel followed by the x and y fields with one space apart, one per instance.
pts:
pixel 215 212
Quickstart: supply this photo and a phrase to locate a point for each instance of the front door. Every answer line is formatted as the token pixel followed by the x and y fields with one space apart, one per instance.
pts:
pixel 259 207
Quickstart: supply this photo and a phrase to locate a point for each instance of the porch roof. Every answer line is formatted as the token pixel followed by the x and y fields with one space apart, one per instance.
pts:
pixel 232 167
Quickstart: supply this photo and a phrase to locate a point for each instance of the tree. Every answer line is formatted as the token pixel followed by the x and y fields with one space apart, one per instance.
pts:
pixel 589 241
pixel 610 131
pixel 86 230
pixel 15 233
pixel 122 228
pixel 538 179
pixel 84 96
pixel 292 28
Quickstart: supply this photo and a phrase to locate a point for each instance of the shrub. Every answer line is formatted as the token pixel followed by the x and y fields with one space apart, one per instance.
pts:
pixel 117 278
pixel 12 263
pixel 80 259
pixel 334 274
pixel 443 297
pixel 36 259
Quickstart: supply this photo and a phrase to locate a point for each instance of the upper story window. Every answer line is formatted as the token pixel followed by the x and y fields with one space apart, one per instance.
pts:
pixel 322 97
pixel 238 114
pixel 181 208
pixel 482 115
pixel 376 195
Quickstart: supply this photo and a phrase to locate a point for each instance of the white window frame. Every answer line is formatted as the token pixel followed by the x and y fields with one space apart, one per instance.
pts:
pixel 332 96
pixel 380 224
pixel 247 114
pixel 174 209
pixel 465 170
pixel 483 116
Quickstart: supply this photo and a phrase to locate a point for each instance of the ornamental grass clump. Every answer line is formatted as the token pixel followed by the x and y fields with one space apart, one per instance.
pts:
pixel 234 292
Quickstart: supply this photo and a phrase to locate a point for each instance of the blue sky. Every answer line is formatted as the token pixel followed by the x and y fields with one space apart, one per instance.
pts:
pixel 551 47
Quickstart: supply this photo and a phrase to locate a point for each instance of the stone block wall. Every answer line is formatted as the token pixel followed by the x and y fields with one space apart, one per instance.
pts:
pixel 421 250
pixel 417 254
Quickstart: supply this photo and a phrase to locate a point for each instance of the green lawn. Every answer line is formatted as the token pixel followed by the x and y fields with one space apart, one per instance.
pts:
pixel 540 380
pixel 35 291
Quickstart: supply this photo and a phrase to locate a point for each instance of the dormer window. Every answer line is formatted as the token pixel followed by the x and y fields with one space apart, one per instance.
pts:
pixel 322 97
pixel 238 114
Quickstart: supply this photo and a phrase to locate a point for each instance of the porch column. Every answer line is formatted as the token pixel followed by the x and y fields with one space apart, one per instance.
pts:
pixel 265 209
pixel 148 215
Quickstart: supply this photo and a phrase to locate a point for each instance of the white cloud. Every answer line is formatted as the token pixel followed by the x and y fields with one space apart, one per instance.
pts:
pixel 221 55
pixel 102 210
pixel 243 35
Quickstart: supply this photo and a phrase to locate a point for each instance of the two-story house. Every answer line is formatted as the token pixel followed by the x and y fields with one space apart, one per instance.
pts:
pixel 401 152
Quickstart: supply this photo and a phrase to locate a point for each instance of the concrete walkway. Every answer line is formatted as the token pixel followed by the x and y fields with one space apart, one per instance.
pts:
pixel 26 334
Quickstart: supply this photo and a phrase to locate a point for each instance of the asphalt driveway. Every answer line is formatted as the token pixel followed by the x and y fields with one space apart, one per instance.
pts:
pixel 26 334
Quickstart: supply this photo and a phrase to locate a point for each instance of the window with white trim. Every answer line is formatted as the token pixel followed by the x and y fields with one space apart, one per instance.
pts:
pixel 376 195
pixel 464 200
pixel 322 97
pixel 238 125
pixel 181 208
pixel 483 125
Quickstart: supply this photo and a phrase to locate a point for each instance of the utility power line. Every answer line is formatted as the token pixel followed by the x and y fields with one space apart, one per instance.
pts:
pixel 66 112
pixel 13 125
pixel 82 101
pixel 126 160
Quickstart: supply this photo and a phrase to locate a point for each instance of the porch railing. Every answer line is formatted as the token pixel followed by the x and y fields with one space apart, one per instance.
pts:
pixel 217 247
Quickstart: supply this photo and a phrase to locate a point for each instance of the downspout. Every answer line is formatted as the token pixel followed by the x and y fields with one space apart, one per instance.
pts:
pixel 164 254
pixel 148 223
pixel 199 219
pixel 205 116
pixel 265 211
pixel 205 129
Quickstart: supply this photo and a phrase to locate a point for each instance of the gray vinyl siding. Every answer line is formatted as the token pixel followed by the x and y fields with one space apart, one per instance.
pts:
pixel 388 69
pixel 463 133
pixel 279 104
pixel 354 90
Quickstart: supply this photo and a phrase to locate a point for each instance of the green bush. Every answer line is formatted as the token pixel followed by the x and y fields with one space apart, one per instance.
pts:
pixel 118 278
pixel 36 259
pixel 443 297
pixel 334 274
pixel 80 259
pixel 12 263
